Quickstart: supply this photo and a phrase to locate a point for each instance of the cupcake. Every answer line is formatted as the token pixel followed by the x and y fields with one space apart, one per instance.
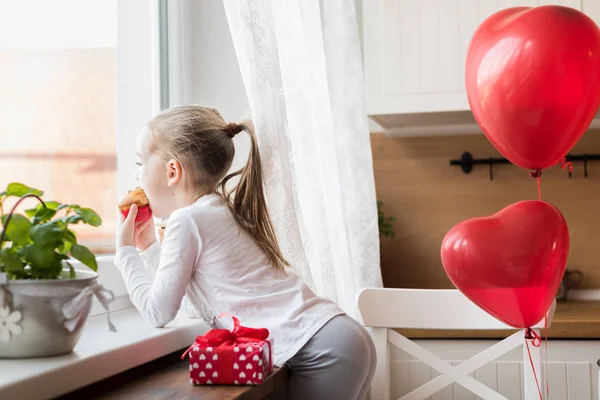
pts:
pixel 138 197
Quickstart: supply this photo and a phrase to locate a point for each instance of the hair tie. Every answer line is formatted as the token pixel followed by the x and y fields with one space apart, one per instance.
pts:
pixel 233 129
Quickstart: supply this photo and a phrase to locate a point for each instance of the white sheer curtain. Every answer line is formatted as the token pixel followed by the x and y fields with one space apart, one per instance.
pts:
pixel 301 65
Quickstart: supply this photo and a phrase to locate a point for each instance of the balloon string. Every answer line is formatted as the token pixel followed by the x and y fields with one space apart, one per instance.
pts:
pixel 534 373
pixel 535 340
pixel 568 165
pixel 537 174
pixel 545 357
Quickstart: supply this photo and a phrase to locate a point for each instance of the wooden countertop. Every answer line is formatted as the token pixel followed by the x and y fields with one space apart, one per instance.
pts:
pixel 572 320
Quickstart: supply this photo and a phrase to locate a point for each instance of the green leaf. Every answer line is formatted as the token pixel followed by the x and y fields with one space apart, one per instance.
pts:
pixel 84 255
pixel 69 239
pixel 64 248
pixel 47 234
pixel 72 273
pixel 11 261
pixel 18 228
pixel 52 205
pixel 43 215
pixel 73 206
pixel 385 227
pixel 19 190
pixel 89 216
pixel 71 219
pixel 54 270
pixel 39 257
pixel 69 236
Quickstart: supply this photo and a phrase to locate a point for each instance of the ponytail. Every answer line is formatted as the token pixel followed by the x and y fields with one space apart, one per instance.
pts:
pixel 247 200
pixel 200 139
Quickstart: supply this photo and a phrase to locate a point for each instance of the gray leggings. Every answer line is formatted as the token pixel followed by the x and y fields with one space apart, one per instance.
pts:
pixel 337 363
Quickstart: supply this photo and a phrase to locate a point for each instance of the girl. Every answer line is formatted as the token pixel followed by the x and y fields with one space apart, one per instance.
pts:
pixel 220 252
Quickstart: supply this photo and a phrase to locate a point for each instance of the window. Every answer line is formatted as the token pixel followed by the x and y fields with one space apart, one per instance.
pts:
pixel 58 105
pixel 81 77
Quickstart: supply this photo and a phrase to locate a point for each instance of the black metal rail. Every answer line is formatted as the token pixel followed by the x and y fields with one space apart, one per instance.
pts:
pixel 467 161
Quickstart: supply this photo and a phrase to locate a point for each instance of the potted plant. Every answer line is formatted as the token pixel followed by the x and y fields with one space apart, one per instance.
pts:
pixel 385 223
pixel 44 300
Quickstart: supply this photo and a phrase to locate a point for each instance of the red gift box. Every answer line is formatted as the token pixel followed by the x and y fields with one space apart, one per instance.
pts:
pixel 242 356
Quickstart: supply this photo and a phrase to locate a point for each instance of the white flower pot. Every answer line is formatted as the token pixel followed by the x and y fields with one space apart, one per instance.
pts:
pixel 44 317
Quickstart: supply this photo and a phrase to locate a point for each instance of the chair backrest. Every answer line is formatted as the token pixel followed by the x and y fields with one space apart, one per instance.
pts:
pixel 383 309
pixel 426 309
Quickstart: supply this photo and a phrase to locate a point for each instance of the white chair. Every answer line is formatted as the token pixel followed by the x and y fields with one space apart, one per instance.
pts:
pixel 384 309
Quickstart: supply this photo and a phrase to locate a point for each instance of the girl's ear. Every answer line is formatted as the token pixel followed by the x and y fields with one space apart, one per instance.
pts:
pixel 174 172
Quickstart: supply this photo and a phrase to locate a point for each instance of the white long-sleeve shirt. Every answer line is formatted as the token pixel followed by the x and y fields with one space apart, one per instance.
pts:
pixel 217 266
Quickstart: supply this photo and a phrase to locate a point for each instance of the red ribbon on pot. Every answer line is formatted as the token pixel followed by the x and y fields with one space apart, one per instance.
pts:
pixel 224 340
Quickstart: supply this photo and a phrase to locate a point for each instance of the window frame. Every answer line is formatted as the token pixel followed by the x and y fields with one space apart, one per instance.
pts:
pixel 138 80
pixel 140 67
pixel 140 72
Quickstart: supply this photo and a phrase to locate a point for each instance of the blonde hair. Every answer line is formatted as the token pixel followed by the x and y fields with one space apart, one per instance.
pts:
pixel 202 142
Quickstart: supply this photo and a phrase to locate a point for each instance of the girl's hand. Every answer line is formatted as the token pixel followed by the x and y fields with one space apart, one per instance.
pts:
pixel 140 235
pixel 144 234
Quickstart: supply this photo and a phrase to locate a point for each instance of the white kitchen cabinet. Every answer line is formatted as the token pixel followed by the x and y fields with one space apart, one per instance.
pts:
pixel 414 56
pixel 572 371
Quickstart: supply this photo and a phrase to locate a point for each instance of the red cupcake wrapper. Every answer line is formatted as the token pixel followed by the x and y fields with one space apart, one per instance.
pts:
pixel 144 214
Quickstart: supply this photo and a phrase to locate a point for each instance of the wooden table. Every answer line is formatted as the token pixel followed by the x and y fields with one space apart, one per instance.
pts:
pixel 169 378
pixel 572 320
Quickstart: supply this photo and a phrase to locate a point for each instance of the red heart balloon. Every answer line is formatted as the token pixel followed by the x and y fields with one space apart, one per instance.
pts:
pixel 533 81
pixel 510 263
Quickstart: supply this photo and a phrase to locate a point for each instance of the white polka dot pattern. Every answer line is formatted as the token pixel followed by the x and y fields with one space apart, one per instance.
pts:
pixel 244 364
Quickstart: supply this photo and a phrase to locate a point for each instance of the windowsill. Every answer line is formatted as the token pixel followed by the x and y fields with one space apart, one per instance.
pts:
pixel 98 355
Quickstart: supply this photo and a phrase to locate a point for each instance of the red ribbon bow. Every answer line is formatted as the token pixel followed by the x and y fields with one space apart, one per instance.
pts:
pixel 220 338
pixel 239 334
